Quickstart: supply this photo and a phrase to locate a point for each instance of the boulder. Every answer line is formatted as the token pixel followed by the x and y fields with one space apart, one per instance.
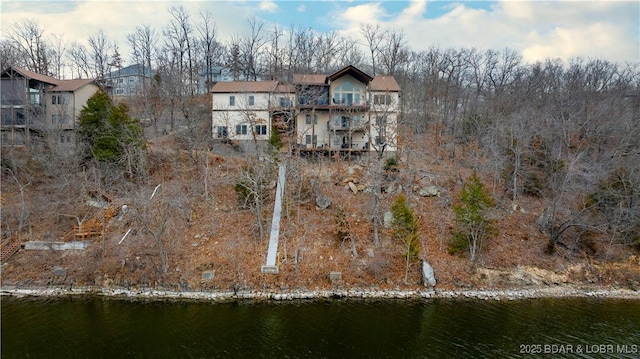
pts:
pixel 59 271
pixel 208 275
pixel 322 201
pixel 429 191
pixel 388 219
pixel 353 188
pixel 428 277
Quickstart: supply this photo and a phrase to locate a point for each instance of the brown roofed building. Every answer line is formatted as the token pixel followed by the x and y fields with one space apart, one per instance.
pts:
pixel 347 110
pixel 38 108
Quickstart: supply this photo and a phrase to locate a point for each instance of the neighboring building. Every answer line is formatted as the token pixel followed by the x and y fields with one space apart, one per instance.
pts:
pixel 208 77
pixel 63 105
pixel 215 74
pixel 37 107
pixel 242 109
pixel 128 81
pixel 346 110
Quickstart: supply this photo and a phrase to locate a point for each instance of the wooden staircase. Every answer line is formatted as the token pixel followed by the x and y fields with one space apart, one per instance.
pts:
pixel 9 249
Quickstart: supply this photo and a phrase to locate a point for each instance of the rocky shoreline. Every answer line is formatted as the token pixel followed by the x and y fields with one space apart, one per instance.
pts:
pixel 222 296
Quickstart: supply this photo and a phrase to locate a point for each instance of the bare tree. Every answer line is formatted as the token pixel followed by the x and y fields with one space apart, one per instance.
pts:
pixel 211 47
pixel 251 49
pixel 9 54
pixel 28 37
pixel 80 60
pixel 143 42
pixel 373 36
pixel 393 52
pixel 101 49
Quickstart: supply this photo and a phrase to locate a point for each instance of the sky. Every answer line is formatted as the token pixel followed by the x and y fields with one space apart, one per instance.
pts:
pixel 606 29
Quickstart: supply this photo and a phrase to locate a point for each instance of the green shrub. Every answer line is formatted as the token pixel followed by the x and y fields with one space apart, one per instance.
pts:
pixel 391 164
pixel 473 226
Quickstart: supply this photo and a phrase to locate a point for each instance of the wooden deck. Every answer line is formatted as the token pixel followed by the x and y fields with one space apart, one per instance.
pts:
pixel 331 152
pixel 88 229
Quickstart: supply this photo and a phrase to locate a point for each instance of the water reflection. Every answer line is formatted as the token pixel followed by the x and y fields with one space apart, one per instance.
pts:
pixel 103 328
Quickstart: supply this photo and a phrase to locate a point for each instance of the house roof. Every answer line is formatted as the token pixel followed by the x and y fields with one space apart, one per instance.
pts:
pixel 244 86
pixel 131 70
pixel 283 88
pixel 71 85
pixel 309 79
pixel 384 83
pixel 353 71
pixel 32 75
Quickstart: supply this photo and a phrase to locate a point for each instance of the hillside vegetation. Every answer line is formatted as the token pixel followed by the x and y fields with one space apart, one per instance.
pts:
pixel 186 218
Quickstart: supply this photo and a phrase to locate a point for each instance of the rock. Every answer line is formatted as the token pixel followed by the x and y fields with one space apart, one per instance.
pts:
pixel 428 277
pixel 353 188
pixel 370 252
pixel 59 271
pixel 349 179
pixel 388 219
pixel 429 191
pixel 208 275
pixel 322 201
pixel 393 188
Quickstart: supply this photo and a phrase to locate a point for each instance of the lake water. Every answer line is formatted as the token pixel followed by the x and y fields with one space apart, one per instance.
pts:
pixel 107 328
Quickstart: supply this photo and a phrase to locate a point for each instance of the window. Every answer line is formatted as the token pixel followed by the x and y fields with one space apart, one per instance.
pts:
pixel 232 100
pixel 308 139
pixel 222 132
pixel 382 99
pixel 284 102
pixel 241 129
pixel 379 140
pixel 381 120
pixel 119 91
pixel 56 118
pixel 307 119
pixel 347 94
pixel 251 100
pixel 261 129
pixel 59 100
pixel 120 80
pixel 132 79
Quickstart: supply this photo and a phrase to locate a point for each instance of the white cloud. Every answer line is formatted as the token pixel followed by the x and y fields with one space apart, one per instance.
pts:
pixel 538 30
pixel 413 12
pixel 268 6
pixel 117 18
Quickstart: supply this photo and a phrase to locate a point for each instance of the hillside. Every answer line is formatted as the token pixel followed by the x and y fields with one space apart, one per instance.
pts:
pixel 190 210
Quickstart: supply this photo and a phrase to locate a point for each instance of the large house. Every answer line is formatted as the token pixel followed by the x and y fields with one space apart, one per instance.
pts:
pixel 128 81
pixel 37 107
pixel 346 110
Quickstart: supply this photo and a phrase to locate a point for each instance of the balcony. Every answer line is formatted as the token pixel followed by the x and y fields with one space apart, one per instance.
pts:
pixel 281 103
pixel 345 104
pixel 348 125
